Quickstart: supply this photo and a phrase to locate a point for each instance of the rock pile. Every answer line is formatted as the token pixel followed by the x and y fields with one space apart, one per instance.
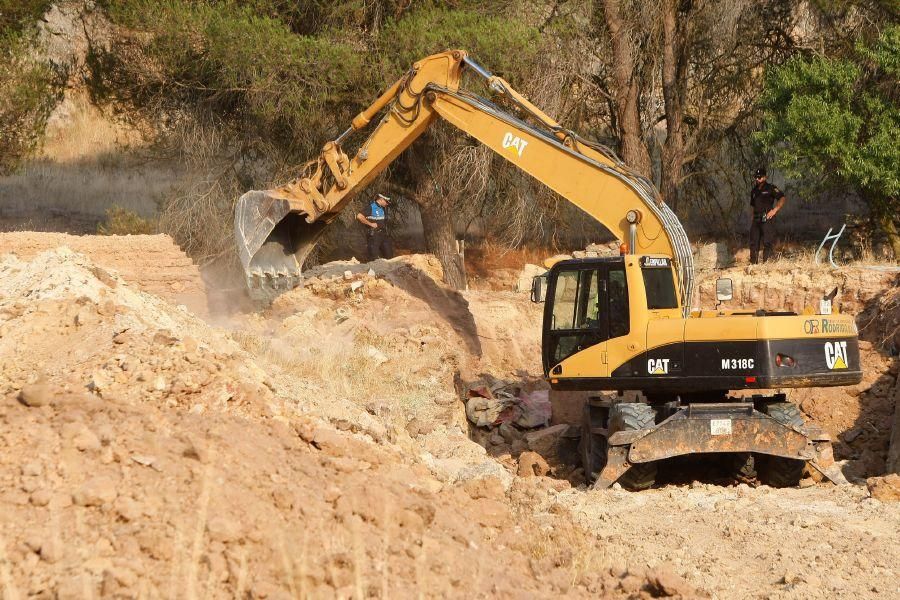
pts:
pixel 149 263
pixel 144 453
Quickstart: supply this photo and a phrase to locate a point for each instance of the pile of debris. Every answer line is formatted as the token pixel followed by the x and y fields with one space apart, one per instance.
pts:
pixel 162 456
pixel 505 404
pixel 513 423
pixel 594 250
pixel 84 328
pixel 150 263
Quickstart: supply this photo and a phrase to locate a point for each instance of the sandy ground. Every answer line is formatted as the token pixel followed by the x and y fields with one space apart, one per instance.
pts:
pixel 738 542
pixel 320 449
pixel 152 263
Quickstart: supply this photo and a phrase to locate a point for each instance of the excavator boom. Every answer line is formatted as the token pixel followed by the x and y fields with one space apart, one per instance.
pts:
pixel 277 229
pixel 609 323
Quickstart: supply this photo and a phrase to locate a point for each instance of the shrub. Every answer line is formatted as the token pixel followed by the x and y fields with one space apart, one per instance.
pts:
pixel 120 221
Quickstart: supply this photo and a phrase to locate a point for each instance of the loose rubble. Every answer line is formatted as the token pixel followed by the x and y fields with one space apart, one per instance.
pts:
pixel 327 448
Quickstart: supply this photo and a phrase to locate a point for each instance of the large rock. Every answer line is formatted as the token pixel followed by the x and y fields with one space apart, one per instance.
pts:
pixel 535 409
pixel 608 249
pixel 529 272
pixel 484 412
pixel 36 394
pixel 886 489
pixel 546 441
pixel 532 464
pixel 713 256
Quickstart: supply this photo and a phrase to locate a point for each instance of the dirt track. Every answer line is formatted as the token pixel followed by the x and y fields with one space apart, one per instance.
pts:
pixel 153 263
pixel 319 449
pixel 820 542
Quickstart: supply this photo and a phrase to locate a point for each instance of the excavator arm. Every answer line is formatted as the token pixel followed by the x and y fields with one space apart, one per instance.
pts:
pixel 276 229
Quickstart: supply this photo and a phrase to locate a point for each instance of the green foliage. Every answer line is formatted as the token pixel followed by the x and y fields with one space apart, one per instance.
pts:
pixel 121 221
pixel 507 46
pixel 28 93
pixel 837 120
pixel 16 15
pixel 248 71
pixel 28 90
pixel 246 64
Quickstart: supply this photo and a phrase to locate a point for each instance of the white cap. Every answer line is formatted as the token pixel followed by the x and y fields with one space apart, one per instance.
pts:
pixel 388 198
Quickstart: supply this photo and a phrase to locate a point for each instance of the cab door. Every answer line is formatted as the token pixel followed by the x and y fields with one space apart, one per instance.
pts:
pixel 576 321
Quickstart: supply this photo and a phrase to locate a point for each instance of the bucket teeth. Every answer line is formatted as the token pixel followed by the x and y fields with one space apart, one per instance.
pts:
pixel 269 284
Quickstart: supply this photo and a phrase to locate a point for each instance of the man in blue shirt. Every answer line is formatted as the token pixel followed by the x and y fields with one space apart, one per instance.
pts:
pixel 374 218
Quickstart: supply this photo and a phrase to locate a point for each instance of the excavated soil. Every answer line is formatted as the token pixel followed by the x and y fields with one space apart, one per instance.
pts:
pixel 320 449
pixel 146 454
pixel 152 263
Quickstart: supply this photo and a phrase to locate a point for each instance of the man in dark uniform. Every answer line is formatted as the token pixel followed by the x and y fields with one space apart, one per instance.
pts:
pixel 766 200
pixel 374 217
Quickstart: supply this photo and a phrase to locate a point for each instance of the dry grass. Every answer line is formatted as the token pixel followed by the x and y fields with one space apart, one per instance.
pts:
pixel 124 222
pixel 78 130
pixel 788 257
pixel 89 163
pixel 338 368
pixel 489 256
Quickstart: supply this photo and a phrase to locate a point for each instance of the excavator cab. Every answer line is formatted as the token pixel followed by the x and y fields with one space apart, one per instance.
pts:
pixel 586 305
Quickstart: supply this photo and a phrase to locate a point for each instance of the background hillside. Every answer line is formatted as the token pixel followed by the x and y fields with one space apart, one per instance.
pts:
pixel 163 112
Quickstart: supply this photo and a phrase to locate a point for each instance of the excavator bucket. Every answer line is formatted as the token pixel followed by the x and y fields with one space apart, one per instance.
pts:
pixel 273 240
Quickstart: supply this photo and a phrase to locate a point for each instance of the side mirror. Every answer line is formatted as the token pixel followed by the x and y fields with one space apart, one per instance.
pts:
pixel 724 290
pixel 539 288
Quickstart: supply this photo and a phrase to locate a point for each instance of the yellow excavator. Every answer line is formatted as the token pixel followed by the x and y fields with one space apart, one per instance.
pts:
pixel 616 324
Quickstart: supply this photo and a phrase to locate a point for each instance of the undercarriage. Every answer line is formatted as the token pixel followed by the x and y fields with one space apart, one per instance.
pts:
pixel 767 435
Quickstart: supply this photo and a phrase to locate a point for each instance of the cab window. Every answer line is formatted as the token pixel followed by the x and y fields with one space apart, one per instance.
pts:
pixel 619 319
pixel 564 300
pixel 660 287
pixel 576 301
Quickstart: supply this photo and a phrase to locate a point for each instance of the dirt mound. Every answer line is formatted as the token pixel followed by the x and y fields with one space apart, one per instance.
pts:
pixel 385 348
pixel 152 263
pixel 137 501
pixel 321 450
pixel 163 459
pixel 83 328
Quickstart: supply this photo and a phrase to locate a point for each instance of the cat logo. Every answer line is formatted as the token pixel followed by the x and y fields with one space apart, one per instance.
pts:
pixel 836 355
pixel 658 366
pixel 514 144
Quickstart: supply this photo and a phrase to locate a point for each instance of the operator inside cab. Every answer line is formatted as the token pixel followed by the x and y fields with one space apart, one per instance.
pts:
pixel 375 218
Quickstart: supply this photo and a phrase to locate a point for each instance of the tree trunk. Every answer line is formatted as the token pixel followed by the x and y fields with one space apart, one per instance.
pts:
pixel 440 240
pixel 888 226
pixel 674 82
pixel 627 91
